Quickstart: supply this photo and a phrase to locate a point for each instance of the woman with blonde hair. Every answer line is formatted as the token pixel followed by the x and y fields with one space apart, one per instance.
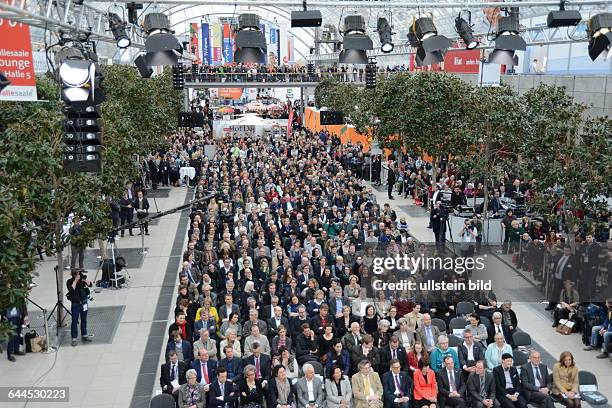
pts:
pixel 565 381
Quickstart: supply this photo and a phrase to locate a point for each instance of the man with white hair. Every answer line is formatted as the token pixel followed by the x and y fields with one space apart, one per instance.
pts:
pixel 205 342
pixel 309 389
pixel 255 321
pixel 256 337
pixel 499 327
pixel 276 321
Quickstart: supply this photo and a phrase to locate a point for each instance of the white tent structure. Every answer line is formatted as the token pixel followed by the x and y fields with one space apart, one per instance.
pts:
pixel 249 125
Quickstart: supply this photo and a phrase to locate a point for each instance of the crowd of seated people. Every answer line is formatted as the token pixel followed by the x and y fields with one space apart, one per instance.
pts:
pixel 275 304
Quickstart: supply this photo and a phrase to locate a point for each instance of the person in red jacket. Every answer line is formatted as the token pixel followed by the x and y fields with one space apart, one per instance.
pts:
pixel 425 387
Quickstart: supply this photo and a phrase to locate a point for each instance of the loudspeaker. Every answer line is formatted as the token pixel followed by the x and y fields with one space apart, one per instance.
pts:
pixel 563 18
pixel 309 18
pixel 332 118
pixel 197 119
pixel 141 64
pixel 185 119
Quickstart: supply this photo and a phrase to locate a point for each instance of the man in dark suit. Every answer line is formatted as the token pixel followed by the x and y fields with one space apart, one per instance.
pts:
pixel 205 367
pixel 295 323
pixel 496 327
pixel 536 381
pixel 172 372
pixel 336 302
pixel 397 386
pixel 321 319
pixel 221 393
pixel 565 268
pixel 393 351
pixel 508 387
pixel 481 387
pixel 470 352
pixel 141 205
pixel 231 364
pixel 390 180
pixel 261 362
pixel 451 387
pixel 275 321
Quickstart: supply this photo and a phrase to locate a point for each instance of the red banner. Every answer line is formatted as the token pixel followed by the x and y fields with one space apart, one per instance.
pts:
pixel 16 61
pixel 462 61
pixel 195 42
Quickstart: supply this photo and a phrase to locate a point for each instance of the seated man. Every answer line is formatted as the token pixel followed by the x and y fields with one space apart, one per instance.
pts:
pixel 604 330
pixel 306 346
pixel 172 375
pixel 309 389
pixel 440 352
pixel 508 389
pixel 256 337
pixel 481 387
pixel 205 342
pixel 537 382
pixel 221 392
pixel 451 387
pixel 396 386
pixel 367 388
pixel 205 367
pixel 260 361
pixel 470 352
pixel 232 364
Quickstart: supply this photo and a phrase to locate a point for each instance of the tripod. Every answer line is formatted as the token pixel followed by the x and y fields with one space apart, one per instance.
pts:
pixel 59 303
pixel 112 274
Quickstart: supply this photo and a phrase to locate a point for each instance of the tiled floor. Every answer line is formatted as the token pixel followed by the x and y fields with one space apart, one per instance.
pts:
pixel 103 375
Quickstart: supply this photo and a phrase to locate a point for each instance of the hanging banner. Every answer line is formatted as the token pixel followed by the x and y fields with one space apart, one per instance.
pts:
pixel 290 53
pixel 206 49
pixel 462 61
pixel 228 44
pixel 217 44
pixel 16 61
pixel 230 93
pixel 282 38
pixel 194 42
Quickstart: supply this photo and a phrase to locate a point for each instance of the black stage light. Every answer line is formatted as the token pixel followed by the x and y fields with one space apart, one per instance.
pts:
pixel 384 31
pixel 161 45
pixel 464 29
pixel 117 27
pixel 507 41
pixel 251 44
pixel 412 38
pixel 132 9
pixel 427 34
pixel 355 42
pixel 563 17
pixel 600 35
pixel 4 82
pixel 425 58
pixel 306 18
pixel 141 64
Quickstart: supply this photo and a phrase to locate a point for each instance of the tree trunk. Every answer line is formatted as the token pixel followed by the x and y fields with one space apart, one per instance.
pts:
pixel 485 191
pixel 59 278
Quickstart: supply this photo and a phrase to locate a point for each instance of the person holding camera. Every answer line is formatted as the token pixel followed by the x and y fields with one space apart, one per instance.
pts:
pixel 78 294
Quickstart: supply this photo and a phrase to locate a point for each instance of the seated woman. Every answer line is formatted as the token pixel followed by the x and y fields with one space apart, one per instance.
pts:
pixel 565 381
pixel 287 360
pixel 568 303
pixel 192 393
pixel 369 322
pixel 231 323
pixel 415 355
pixel 338 357
pixel 381 336
pixel 338 389
pixel 425 387
pixel 250 392
pixel 279 389
pixel 479 330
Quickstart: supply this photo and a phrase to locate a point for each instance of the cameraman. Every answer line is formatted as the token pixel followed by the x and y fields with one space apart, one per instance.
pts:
pixel 78 294
pixel 468 235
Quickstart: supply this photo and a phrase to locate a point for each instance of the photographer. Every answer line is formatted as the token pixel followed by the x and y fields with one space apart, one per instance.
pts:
pixel 468 235
pixel 78 294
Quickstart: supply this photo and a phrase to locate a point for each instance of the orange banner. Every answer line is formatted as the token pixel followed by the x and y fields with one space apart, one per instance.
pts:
pixel 16 61
pixel 230 93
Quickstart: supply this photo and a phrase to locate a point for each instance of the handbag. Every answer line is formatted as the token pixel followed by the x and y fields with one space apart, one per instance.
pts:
pixel 565 327
pixel 28 337
pixel 38 344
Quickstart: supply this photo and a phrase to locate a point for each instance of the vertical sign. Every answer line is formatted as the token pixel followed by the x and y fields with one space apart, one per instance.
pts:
pixel 283 58
pixel 228 44
pixel 290 54
pixel 217 44
pixel 278 47
pixel 195 43
pixel 16 61
pixel 206 49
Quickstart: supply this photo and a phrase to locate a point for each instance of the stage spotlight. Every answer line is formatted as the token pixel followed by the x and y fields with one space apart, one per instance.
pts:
pixel 600 35
pixel 507 41
pixel 79 77
pixel 424 58
pixel 427 34
pixel 355 42
pixel 161 45
pixel 117 27
pixel 563 17
pixel 4 82
pixel 250 41
pixel 384 31
pixel 464 29
pixel 132 9
pixel 412 38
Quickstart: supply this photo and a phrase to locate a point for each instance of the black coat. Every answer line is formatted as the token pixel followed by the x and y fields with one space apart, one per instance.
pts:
pixel 164 378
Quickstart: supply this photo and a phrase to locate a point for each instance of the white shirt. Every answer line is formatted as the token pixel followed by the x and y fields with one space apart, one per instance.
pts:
pixel 536 372
pixel 470 350
pixel 508 378
pixel 310 386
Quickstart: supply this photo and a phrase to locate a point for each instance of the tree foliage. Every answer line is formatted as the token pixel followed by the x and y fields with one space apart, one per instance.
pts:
pixel 137 116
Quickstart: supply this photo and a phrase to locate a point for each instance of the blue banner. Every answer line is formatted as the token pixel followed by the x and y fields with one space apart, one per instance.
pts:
pixel 206 50
pixel 273 37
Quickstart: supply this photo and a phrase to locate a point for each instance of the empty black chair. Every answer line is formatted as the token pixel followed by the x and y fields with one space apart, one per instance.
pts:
pixel 521 339
pixel 318 367
pixel 518 358
pixel 162 401
pixel 458 323
pixel 454 341
pixel 440 324
pixel 485 321
pixel 592 397
pixel 465 308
